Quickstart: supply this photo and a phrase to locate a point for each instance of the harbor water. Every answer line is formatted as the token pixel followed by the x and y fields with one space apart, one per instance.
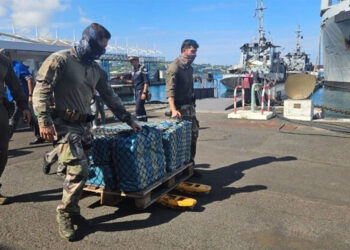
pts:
pixel 332 98
pixel 158 91
pixel 322 96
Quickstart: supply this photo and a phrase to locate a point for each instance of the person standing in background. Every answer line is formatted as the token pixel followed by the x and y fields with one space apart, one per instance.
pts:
pixel 27 84
pixel 8 75
pixel 140 80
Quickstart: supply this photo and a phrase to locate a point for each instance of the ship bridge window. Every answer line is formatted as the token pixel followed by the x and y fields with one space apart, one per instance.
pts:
pixel 332 2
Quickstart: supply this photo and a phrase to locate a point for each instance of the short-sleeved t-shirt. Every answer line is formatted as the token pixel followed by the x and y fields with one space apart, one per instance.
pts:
pixel 22 74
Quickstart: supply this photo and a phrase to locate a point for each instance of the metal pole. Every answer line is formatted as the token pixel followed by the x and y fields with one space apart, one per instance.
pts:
pixel 235 100
pixel 216 87
pixel 252 97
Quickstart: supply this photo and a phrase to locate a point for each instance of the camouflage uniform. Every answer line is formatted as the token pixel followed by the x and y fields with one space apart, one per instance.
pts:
pixel 8 75
pixel 179 84
pixel 64 77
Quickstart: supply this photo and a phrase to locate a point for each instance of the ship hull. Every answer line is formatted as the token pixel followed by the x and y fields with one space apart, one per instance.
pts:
pixel 230 81
pixel 335 33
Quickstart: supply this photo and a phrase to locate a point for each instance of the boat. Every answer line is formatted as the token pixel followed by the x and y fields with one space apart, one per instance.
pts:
pixel 260 58
pixel 335 35
pixel 298 62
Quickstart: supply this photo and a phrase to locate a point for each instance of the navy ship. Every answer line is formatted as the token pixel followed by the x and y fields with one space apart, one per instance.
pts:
pixel 335 34
pixel 298 61
pixel 260 58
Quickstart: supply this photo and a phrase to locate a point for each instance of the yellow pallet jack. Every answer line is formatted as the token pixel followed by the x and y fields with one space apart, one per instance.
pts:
pixel 3 200
pixel 177 201
pixel 193 188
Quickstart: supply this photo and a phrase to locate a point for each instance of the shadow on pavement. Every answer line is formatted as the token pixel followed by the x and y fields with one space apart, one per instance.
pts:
pixel 17 152
pixel 40 196
pixel 219 179
pixel 203 128
pixel 22 151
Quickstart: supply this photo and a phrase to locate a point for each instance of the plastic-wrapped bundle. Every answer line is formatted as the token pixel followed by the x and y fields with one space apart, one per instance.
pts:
pixel 140 159
pixel 185 154
pixel 156 153
pixel 108 131
pixel 101 145
pixel 171 143
pixel 147 124
pixel 102 176
pixel 176 142
pixel 100 150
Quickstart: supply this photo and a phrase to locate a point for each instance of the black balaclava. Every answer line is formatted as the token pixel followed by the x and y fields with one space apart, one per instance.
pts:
pixel 88 48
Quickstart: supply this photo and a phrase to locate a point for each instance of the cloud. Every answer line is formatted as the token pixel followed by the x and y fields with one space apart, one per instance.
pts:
pixel 35 13
pixel 83 19
pixel 3 9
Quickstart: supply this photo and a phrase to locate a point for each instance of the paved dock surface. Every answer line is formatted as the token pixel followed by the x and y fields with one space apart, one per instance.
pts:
pixel 272 189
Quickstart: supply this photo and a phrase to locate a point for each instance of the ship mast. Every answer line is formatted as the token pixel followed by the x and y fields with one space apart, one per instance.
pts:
pixel 261 9
pixel 298 49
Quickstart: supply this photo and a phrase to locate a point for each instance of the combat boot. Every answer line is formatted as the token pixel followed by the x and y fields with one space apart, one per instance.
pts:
pixel 65 226
pixel 3 199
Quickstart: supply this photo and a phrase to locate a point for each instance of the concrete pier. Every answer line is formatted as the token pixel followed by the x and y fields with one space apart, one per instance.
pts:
pixel 271 189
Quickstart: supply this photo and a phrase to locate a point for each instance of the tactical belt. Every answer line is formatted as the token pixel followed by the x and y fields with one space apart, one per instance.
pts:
pixel 179 104
pixel 73 116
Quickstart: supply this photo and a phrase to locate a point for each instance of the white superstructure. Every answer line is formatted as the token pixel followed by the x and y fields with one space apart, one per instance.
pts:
pixel 335 33
pixel 298 61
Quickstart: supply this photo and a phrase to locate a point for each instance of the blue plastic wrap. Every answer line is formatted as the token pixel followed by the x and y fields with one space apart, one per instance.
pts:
pixel 102 176
pixel 102 143
pixel 140 159
pixel 176 142
pixel 133 161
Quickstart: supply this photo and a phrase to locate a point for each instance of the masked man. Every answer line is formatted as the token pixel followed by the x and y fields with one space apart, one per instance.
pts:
pixel 71 76
pixel 179 89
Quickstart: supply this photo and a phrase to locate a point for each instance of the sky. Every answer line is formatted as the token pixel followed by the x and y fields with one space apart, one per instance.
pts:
pixel 220 27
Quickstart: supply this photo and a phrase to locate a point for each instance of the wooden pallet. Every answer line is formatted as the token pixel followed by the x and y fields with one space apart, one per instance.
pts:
pixel 151 194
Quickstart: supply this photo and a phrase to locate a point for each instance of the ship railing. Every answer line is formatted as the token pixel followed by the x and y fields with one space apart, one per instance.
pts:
pixel 235 98
pixel 212 83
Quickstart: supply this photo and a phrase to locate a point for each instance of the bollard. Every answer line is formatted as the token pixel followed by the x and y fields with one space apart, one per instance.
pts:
pixel 252 97
pixel 266 86
pixel 235 98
